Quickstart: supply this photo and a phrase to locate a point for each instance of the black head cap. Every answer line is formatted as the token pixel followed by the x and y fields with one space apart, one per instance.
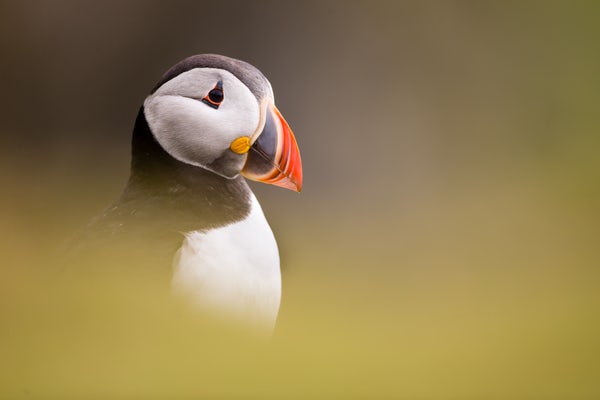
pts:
pixel 247 73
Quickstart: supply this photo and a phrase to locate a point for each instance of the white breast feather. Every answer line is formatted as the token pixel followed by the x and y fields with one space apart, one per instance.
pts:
pixel 233 271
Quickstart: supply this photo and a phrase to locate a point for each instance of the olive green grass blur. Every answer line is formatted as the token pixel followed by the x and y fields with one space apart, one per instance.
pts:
pixel 445 244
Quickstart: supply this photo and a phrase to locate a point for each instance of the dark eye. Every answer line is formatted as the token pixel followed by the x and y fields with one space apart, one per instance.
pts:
pixel 215 97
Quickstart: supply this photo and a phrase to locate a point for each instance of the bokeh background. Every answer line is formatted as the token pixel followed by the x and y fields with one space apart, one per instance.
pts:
pixel 446 242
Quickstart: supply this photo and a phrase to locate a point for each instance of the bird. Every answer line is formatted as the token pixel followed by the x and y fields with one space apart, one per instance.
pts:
pixel 209 123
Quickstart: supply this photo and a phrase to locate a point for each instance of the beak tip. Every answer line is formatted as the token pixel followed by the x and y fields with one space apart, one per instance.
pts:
pixel 291 184
pixel 299 186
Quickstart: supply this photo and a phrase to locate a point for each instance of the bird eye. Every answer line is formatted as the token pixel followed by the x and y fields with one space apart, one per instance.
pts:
pixel 215 97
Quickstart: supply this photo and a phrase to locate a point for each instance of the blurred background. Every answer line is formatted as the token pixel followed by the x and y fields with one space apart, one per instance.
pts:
pixel 445 244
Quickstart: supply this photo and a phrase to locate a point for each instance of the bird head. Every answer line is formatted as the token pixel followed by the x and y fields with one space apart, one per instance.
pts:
pixel 218 113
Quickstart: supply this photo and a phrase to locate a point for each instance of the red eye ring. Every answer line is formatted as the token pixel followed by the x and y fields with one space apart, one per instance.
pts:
pixel 215 97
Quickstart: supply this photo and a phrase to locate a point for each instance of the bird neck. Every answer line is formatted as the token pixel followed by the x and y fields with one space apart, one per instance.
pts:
pixel 170 185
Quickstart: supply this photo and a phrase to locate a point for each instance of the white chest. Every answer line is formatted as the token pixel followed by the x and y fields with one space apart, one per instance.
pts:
pixel 233 271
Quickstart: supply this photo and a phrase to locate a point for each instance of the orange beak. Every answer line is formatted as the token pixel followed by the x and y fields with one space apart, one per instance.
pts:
pixel 274 157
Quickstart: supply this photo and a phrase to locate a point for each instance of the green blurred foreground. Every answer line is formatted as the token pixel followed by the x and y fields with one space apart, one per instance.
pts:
pixel 491 298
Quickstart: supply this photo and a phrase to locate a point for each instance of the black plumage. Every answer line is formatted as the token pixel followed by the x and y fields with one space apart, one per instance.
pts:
pixel 163 199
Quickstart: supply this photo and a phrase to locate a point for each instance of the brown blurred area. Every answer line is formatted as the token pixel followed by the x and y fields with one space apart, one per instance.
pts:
pixel 446 241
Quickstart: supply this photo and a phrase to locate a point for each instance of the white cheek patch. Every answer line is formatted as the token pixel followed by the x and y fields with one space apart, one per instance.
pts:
pixel 194 132
pixel 183 129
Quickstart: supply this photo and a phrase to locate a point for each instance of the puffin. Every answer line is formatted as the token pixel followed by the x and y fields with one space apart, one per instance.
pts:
pixel 187 212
